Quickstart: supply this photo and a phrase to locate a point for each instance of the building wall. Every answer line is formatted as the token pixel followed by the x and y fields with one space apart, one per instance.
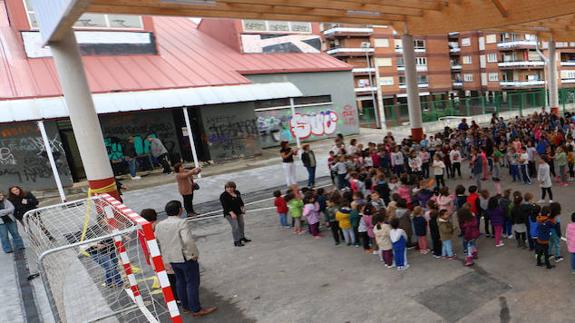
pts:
pixel 316 122
pixel 438 64
pixel 23 159
pixel 231 130
pixel 226 31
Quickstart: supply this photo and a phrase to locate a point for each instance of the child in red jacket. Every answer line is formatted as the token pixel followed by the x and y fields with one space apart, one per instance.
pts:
pixel 281 208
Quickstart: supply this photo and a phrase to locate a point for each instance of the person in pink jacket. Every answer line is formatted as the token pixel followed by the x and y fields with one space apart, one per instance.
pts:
pixel 311 214
pixel 570 233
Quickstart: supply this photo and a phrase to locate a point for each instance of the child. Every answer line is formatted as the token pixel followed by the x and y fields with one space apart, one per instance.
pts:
pixel 281 208
pixel 311 213
pixel 295 207
pixel 383 240
pixel 543 232
pixel 570 233
pixel 321 199
pixel 555 238
pixel 364 213
pixel 446 232
pixel 330 212
pixel 519 218
pixel 531 211
pixel 355 218
pixel 438 167
pixel 483 205
pixel 434 229
pixel 497 217
pixel 342 216
pixel 544 178
pixel 420 225
pixel 470 233
pixel 505 203
pixel 398 239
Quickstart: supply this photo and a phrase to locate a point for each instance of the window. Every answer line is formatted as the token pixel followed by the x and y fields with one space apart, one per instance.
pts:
pixel 530 37
pixel 398 44
pixel 468 77
pixel 482 62
pixel 493 77
pixel 386 81
pixel 481 43
pixel 466 59
pixel 492 58
pixel 383 61
pixel 276 26
pixel 421 79
pixel 567 75
pixel 363 83
pixel 491 39
pixel 465 42
pixel 533 77
pixel 400 62
pixel 93 20
pixel 483 78
pixel 421 61
pixel 419 44
pixel 381 42
pixel 401 80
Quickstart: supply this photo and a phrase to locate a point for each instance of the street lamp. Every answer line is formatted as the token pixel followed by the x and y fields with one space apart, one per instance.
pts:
pixel 366 46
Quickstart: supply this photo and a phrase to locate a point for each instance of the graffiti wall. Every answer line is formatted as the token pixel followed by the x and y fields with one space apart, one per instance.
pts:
pixel 231 131
pixel 23 158
pixel 117 128
pixel 308 123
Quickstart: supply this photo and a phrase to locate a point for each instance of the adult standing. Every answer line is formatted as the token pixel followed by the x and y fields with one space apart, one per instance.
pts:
pixel 8 226
pixel 130 156
pixel 174 236
pixel 22 202
pixel 186 186
pixel 309 161
pixel 287 153
pixel 234 211
pixel 159 151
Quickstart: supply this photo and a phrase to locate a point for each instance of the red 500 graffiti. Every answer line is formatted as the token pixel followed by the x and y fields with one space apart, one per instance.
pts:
pixel 317 124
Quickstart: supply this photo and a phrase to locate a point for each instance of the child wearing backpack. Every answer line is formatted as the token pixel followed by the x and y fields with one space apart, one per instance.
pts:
pixel 544 228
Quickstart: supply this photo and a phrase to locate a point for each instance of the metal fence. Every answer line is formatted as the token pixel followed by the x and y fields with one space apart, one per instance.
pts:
pixel 396 115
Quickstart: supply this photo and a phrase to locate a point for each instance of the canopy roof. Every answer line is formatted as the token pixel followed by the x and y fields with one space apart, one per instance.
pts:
pixel 548 18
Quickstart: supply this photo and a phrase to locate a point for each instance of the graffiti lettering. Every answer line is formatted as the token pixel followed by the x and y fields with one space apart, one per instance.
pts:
pixel 318 124
pixel 349 115
pixel 231 138
pixel 6 157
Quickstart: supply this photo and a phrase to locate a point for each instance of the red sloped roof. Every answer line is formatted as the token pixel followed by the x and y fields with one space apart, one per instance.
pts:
pixel 187 58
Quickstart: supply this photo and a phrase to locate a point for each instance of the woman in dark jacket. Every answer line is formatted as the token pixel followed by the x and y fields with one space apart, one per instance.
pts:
pixel 234 211
pixel 22 201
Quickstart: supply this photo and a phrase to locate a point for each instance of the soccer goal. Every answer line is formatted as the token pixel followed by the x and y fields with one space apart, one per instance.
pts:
pixel 99 262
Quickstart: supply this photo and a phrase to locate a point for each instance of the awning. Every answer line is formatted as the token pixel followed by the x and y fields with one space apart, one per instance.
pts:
pixel 51 108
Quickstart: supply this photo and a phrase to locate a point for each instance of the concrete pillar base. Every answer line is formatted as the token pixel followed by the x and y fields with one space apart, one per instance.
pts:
pixel 106 185
pixel 417 134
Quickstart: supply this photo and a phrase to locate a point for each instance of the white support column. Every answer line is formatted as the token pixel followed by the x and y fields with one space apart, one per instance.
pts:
pixel 83 115
pixel 413 103
pixel 292 106
pixel 192 142
pixel 50 154
pixel 382 120
pixel 552 72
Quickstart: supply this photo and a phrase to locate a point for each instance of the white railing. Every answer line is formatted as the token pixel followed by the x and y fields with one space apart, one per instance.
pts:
pixel 419 68
pixel 458 84
pixel 521 64
pixel 516 43
pixel 456 67
pixel 420 85
pixel 455 50
pixel 417 50
pixel 352 30
pixel 359 70
pixel 568 63
pixel 365 89
pixel 349 50
pixel 567 80
pixel 521 83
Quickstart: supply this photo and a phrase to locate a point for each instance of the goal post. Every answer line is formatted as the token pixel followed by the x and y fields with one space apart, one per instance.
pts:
pixel 96 258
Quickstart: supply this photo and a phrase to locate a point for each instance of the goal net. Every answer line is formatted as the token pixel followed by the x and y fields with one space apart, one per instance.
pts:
pixel 99 262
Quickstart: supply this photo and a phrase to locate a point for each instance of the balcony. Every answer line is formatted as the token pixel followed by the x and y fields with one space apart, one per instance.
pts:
pixel 420 85
pixel 568 63
pixel 521 84
pixel 347 51
pixel 369 89
pixel 505 45
pixel 521 64
pixel 363 70
pixel 417 50
pixel 457 84
pixel 419 68
pixel 347 31
pixel 453 34
pixel 456 67
pixel 567 80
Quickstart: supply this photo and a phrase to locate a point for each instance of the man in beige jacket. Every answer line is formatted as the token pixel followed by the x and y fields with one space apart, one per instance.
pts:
pixel 178 248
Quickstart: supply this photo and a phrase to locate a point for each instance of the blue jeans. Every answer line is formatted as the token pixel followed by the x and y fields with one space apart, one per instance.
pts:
pixel 283 220
pixel 447 250
pixel 470 247
pixel 311 176
pixel 11 228
pixel 507 227
pixel 341 181
pixel 109 262
pixel 132 165
pixel 188 284
pixel 573 262
pixel 515 173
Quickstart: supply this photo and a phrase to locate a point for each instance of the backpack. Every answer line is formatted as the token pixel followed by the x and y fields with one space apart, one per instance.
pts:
pixel 470 230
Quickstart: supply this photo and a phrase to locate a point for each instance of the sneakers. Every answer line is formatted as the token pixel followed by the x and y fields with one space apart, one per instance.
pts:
pixel 436 257
pixel 559 259
pixel 500 245
pixel 135 177
pixel 510 236
pixel 541 201
pixel 550 201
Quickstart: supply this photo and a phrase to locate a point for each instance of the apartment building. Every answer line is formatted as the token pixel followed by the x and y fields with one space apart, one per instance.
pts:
pixel 457 65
